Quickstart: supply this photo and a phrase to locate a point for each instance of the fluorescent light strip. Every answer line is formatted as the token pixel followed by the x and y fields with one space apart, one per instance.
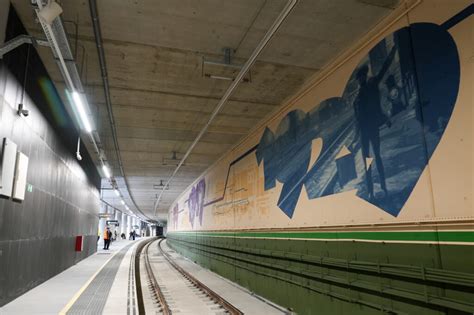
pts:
pixel 117 193
pixel 106 171
pixel 82 111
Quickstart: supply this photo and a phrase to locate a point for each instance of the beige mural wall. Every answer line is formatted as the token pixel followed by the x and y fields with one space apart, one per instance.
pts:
pixel 443 192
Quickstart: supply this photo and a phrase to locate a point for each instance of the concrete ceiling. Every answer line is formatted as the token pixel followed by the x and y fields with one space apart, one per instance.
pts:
pixel 154 52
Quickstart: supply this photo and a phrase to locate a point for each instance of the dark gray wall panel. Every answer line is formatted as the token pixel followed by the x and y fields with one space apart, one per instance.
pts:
pixel 37 236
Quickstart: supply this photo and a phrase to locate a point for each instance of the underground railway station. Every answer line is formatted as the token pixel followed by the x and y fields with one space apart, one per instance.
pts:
pixel 253 157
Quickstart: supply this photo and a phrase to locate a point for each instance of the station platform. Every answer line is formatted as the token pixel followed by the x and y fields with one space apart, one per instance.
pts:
pixel 59 293
pixel 104 283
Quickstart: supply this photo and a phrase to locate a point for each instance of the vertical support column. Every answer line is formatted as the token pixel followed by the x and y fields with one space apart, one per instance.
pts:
pixel 123 225
pixel 129 225
pixel 103 210
pixel 118 217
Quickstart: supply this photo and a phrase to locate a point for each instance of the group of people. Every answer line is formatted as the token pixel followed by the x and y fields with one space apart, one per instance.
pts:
pixel 109 237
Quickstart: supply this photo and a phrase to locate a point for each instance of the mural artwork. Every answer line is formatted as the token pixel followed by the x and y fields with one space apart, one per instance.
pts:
pixel 195 204
pixel 379 135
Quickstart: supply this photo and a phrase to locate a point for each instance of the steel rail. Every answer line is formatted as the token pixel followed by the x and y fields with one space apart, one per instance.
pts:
pixel 151 277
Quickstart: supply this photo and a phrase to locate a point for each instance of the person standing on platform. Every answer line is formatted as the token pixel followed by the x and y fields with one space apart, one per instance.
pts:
pixel 107 237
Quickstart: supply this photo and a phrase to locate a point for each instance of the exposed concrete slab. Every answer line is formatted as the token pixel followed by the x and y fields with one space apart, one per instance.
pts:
pixel 154 52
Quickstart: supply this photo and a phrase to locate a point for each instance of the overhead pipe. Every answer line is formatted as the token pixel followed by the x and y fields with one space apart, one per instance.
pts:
pixel 108 100
pixel 245 68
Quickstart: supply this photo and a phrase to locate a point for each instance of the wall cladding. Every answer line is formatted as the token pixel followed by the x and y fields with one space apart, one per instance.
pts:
pixel 323 277
pixel 357 196
pixel 37 236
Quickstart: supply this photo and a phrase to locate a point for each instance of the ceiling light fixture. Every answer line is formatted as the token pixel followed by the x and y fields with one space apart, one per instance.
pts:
pixel 117 193
pixel 122 202
pixel 81 108
pixel 106 171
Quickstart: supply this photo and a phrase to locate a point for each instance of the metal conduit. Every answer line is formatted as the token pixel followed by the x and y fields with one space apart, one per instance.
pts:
pixel 261 45
pixel 108 100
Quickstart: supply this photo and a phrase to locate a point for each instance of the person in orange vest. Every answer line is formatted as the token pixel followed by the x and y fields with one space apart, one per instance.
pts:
pixel 107 237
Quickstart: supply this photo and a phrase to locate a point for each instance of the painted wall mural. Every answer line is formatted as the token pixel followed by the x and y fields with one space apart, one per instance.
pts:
pixel 360 153
pixel 194 203
pixel 378 136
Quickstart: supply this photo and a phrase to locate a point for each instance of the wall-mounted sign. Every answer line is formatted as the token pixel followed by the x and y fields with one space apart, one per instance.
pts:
pixel 7 167
pixel 13 171
pixel 112 222
pixel 19 183
pixel 105 215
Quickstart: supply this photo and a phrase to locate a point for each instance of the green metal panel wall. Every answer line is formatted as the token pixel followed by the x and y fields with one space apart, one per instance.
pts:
pixel 340 277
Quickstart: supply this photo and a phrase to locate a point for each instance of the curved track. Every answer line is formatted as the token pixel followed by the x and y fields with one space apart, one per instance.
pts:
pixel 173 289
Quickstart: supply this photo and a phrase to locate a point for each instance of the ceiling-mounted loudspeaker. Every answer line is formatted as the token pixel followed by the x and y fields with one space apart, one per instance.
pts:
pixel 49 12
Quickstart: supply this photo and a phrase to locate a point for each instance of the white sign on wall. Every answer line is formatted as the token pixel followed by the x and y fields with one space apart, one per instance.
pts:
pixel 21 169
pixel 7 167
pixel 13 171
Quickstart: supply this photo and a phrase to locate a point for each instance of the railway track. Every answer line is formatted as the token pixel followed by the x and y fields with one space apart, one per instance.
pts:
pixel 163 287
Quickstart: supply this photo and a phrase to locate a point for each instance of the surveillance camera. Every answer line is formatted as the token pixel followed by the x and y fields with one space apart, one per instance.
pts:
pixel 78 156
pixel 21 111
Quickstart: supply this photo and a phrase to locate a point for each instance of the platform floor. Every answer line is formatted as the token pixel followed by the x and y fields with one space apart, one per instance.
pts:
pixel 104 284
pixel 64 289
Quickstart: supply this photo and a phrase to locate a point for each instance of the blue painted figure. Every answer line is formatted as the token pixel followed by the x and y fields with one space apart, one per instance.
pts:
pixel 394 108
pixel 370 116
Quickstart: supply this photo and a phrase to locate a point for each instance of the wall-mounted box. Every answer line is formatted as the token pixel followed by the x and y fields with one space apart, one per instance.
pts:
pixel 21 169
pixel 79 243
pixel 7 167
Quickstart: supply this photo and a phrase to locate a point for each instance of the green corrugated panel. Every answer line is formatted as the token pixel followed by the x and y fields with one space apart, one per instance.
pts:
pixel 402 236
pixel 244 253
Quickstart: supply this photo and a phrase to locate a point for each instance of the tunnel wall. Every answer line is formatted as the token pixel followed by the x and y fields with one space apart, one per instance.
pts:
pixel 37 235
pixel 356 197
